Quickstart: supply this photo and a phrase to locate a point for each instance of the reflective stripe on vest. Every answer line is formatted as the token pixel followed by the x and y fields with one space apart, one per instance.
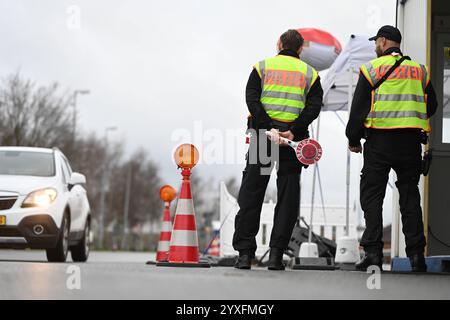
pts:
pixel 400 101
pixel 285 83
pixel 397 114
pixel 399 97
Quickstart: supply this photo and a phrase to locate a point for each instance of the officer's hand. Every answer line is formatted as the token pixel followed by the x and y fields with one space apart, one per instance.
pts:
pixel 275 137
pixel 288 135
pixel 357 149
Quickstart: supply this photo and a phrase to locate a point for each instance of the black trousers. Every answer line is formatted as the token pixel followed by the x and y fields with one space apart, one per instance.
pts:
pixel 400 150
pixel 251 198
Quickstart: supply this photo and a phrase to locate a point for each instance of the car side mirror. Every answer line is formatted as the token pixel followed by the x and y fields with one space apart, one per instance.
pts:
pixel 77 178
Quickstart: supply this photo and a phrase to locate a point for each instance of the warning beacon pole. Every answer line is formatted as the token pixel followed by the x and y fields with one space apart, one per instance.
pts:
pixel 183 251
pixel 167 194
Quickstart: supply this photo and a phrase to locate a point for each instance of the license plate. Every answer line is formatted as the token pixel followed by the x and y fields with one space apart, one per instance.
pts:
pixel 2 220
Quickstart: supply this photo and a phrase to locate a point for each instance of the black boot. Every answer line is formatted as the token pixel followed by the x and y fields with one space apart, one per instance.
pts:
pixel 276 259
pixel 418 263
pixel 243 262
pixel 370 259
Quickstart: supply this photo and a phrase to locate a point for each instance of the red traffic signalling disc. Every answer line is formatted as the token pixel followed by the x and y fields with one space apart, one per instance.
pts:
pixel 308 151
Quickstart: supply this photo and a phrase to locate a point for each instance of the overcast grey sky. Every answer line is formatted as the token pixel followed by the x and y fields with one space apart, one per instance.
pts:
pixel 154 67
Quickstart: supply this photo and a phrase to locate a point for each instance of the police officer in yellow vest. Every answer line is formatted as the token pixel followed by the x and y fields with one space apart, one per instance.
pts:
pixel 284 95
pixel 391 107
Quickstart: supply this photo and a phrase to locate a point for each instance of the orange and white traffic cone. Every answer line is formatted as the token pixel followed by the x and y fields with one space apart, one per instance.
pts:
pixel 184 243
pixel 164 237
pixel 214 249
pixel 167 194
pixel 183 250
pixel 214 246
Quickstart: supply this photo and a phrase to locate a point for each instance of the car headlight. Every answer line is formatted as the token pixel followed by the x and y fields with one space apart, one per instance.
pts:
pixel 40 198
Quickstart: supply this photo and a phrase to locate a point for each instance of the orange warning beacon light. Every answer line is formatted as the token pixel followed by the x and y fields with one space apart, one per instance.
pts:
pixel 186 156
pixel 167 193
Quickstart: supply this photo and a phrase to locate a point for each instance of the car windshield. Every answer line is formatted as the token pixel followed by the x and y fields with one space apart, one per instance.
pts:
pixel 25 163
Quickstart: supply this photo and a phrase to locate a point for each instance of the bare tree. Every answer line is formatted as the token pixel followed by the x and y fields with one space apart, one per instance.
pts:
pixel 31 116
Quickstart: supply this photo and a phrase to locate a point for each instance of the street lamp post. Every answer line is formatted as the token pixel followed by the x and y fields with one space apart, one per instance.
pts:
pixel 126 207
pixel 74 105
pixel 103 189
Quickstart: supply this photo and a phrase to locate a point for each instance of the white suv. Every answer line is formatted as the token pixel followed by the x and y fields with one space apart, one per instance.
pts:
pixel 43 204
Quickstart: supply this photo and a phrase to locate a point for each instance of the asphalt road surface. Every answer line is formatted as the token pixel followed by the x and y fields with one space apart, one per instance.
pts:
pixel 116 275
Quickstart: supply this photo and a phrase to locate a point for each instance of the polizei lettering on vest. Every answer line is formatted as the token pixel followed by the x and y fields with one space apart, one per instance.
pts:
pixel 401 72
pixel 285 78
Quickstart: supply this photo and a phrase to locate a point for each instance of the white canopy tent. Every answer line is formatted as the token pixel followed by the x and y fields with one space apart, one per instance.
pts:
pixel 336 83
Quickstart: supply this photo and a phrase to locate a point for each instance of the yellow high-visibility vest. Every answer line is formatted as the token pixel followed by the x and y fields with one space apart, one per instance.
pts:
pixel 285 83
pixel 400 101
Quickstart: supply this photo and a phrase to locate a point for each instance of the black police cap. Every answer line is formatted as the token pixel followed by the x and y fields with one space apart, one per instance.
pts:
pixel 388 32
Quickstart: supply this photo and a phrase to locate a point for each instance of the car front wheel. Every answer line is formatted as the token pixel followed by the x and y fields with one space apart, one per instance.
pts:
pixel 80 252
pixel 59 253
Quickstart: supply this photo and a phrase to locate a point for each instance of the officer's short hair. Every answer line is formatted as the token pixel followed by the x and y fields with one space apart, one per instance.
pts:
pixel 292 40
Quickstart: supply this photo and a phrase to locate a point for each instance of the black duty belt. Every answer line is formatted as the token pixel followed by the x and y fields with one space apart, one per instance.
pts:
pixel 282 126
